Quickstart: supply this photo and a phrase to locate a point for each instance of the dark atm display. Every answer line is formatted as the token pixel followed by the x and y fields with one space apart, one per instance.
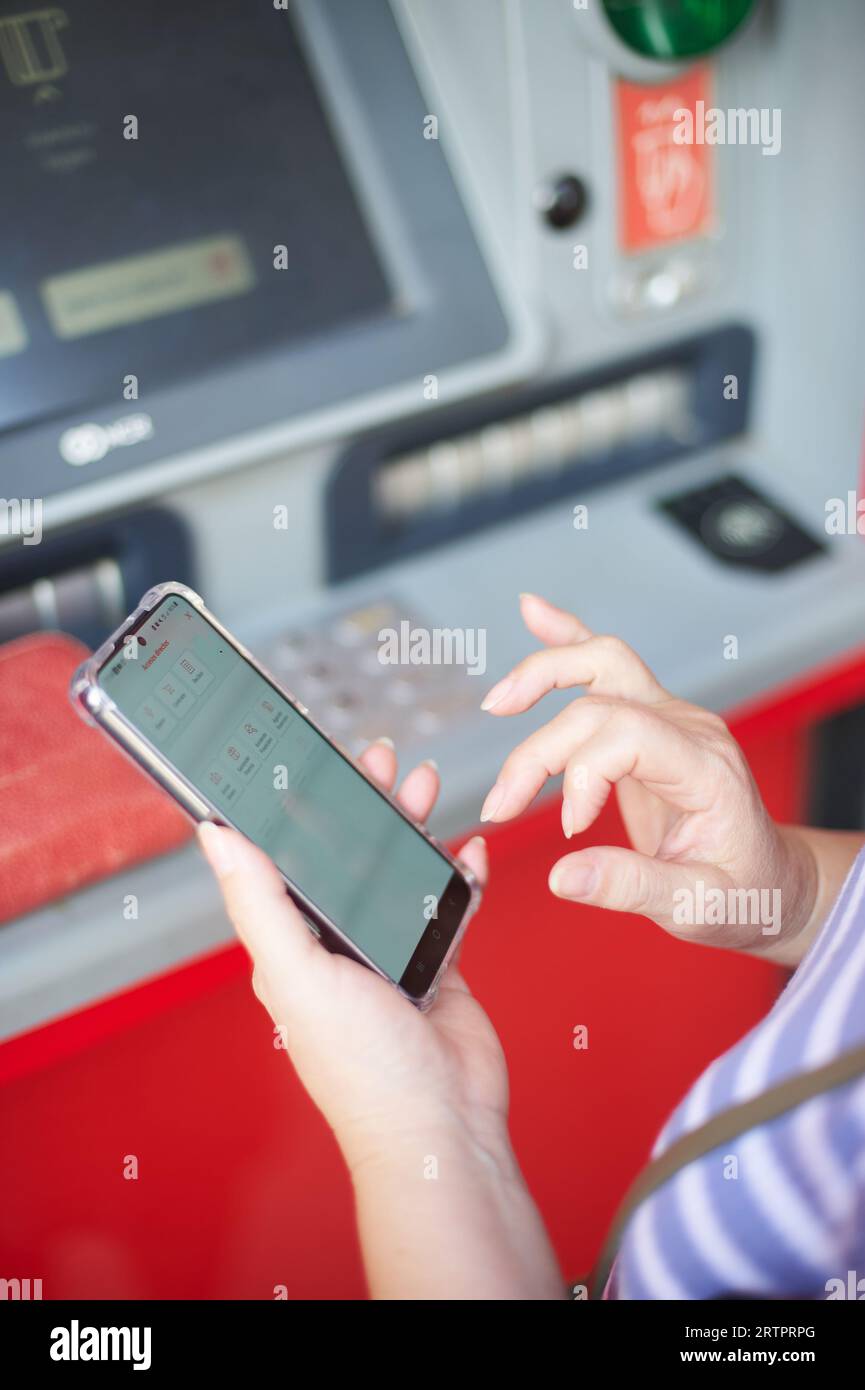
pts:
pixel 156 157
pixel 224 233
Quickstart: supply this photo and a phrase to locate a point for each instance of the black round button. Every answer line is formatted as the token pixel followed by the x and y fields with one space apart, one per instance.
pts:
pixel 562 201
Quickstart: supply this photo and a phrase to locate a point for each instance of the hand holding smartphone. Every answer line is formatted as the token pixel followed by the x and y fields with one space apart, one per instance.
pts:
pixel 184 699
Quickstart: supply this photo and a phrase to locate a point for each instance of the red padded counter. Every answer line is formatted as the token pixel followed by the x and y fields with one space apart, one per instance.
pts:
pixel 54 839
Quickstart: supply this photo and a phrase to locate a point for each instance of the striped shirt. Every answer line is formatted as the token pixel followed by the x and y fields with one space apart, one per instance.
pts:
pixel 780 1211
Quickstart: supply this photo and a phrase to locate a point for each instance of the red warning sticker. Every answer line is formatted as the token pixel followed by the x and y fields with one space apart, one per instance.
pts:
pixel 665 184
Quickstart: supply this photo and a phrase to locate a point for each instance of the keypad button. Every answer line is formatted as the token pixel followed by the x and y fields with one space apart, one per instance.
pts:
pixel 192 671
pixel 222 788
pixel 254 732
pixel 154 720
pixel 177 696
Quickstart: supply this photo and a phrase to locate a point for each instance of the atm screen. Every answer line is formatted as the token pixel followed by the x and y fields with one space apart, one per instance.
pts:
pixel 152 171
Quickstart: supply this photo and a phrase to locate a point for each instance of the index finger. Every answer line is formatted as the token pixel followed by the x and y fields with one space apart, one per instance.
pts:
pixel 605 665
pixel 553 626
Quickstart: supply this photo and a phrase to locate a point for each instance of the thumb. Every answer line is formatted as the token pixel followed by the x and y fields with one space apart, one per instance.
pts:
pixel 671 894
pixel 264 916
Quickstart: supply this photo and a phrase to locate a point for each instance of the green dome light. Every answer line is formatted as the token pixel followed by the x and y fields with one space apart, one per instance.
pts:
pixel 669 29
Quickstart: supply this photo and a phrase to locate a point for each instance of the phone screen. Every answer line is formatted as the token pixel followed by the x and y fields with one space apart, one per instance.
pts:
pixel 274 776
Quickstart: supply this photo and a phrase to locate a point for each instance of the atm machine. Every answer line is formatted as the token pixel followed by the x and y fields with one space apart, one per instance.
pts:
pixel 353 313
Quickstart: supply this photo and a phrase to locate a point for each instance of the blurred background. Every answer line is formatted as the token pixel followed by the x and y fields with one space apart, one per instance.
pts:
pixel 351 312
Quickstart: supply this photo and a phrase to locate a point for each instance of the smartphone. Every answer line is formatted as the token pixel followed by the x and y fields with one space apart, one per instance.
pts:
pixel 191 706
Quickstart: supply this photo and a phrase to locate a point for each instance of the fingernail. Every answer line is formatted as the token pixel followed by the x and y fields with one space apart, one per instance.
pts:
pixel 476 840
pixel 217 847
pixel 498 693
pixel 429 762
pixel 383 738
pixel 574 880
pixel 567 819
pixel 495 797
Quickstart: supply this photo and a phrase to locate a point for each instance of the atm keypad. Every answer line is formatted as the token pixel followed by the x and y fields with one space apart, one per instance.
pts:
pixel 337 671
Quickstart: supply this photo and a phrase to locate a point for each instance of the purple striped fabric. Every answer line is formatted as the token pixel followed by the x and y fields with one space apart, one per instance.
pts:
pixel 781 1210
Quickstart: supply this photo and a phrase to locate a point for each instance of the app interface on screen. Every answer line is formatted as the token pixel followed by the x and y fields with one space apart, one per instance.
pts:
pixel 274 776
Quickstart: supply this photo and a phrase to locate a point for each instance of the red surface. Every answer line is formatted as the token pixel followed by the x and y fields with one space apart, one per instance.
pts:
pixel 49 846
pixel 821 692
pixel 240 1185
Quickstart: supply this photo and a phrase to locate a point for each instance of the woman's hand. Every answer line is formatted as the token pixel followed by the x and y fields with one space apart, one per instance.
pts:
pixel 418 1102
pixel 370 1061
pixel 708 863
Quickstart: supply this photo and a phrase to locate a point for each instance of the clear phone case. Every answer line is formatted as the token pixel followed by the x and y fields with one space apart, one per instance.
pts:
pixel 98 709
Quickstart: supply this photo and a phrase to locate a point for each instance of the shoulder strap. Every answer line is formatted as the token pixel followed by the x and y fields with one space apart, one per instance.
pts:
pixel 729 1124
